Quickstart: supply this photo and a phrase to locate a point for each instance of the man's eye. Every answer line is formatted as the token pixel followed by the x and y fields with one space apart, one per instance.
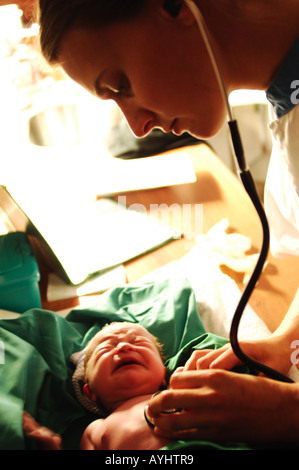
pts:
pixel 111 85
pixel 120 86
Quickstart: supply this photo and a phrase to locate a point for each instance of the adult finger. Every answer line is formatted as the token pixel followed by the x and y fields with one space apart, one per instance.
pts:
pixel 223 358
pixel 192 391
pixel 195 378
pixel 195 356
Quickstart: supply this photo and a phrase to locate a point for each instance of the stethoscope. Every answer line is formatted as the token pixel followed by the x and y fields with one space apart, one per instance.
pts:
pixel 249 186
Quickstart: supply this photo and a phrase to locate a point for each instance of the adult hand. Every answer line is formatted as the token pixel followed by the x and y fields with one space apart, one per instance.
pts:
pixel 274 352
pixel 44 437
pixel 222 406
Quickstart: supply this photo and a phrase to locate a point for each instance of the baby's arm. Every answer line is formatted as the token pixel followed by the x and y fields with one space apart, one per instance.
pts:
pixel 92 436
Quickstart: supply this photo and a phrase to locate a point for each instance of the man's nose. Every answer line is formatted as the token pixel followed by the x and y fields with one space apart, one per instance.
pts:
pixel 141 121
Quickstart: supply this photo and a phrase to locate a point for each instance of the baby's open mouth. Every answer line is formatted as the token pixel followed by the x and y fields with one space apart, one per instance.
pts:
pixel 126 362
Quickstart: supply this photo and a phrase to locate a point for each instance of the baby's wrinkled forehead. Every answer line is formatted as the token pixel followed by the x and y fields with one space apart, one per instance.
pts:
pixel 121 329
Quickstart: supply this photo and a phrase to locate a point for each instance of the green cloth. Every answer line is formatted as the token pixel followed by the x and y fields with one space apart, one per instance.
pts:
pixel 36 373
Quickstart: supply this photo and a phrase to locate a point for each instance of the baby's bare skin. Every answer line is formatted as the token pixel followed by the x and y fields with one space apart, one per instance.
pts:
pixel 124 429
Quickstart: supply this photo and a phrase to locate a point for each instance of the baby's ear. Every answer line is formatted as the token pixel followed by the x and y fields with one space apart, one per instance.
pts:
pixel 87 391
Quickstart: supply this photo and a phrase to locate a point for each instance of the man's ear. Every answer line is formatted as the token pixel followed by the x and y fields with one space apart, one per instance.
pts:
pixel 178 9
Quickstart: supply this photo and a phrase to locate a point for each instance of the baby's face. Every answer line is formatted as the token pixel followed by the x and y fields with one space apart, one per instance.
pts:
pixel 125 362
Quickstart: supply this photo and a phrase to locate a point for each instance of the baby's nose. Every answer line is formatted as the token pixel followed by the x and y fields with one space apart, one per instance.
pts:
pixel 124 346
